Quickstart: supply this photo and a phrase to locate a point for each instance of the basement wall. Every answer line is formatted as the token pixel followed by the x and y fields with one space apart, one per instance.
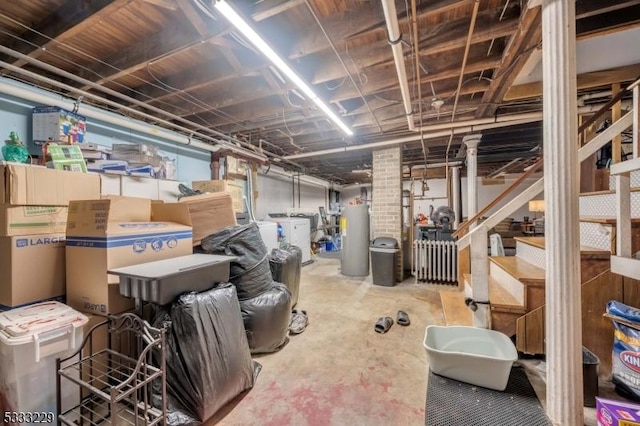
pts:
pixel 437 190
pixel 15 115
pixel 279 194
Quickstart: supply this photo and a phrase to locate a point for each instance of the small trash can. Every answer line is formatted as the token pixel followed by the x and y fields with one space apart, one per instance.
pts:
pixel 590 364
pixel 383 261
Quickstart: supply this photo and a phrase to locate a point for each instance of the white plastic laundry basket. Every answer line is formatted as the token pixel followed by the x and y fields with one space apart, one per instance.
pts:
pixel 31 339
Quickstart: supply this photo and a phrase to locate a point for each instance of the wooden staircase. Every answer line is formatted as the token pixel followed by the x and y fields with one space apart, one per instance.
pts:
pixel 517 289
pixel 508 293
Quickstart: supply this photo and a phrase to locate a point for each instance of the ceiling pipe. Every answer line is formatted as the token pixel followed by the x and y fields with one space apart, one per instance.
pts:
pixel 528 118
pixel 395 40
pixel 226 140
pixel 445 129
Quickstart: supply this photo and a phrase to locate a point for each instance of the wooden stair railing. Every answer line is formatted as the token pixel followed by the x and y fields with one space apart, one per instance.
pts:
pixel 465 226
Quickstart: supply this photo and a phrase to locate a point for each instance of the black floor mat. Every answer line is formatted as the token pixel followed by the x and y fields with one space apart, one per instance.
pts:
pixel 454 403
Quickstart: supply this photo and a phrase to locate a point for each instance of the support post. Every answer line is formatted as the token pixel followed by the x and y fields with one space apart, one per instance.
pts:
pixel 480 274
pixel 455 203
pixel 472 141
pixel 562 294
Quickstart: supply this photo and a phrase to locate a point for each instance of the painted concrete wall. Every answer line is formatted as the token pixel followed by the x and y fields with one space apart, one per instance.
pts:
pixel 276 195
pixel 191 164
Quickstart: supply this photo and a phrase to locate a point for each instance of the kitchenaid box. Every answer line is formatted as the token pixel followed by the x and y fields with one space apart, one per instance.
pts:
pixel 115 232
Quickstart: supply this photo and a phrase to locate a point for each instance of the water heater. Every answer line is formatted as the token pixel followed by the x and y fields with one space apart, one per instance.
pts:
pixel 354 227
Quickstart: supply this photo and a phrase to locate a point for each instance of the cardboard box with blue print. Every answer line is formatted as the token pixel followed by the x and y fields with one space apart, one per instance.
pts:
pixel 31 269
pixel 115 232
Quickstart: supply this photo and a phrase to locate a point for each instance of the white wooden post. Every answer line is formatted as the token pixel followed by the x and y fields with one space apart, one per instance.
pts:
pixel 480 274
pixel 472 142
pixel 561 178
pixel 455 203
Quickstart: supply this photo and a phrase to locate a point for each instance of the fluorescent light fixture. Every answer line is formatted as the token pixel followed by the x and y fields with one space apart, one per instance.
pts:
pixel 237 21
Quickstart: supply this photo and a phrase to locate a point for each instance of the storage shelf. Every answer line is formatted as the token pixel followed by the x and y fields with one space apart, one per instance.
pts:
pixel 96 411
pixel 113 370
pixel 120 387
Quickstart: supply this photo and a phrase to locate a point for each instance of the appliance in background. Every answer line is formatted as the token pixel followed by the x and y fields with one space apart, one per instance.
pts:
pixel 297 232
pixel 269 234
pixel 354 227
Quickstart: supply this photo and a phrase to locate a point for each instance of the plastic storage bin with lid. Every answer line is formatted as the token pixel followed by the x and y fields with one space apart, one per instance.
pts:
pixel 31 339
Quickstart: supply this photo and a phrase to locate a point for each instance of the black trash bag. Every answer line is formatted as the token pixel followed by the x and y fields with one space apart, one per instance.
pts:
pixel 286 265
pixel 250 273
pixel 208 362
pixel 266 319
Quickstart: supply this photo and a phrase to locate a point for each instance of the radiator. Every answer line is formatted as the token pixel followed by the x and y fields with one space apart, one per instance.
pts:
pixel 435 261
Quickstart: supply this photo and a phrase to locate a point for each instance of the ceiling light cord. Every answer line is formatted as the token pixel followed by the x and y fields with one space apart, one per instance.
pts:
pixel 344 66
pixel 224 8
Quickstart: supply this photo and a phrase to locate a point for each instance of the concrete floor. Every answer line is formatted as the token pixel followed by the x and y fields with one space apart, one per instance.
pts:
pixel 341 372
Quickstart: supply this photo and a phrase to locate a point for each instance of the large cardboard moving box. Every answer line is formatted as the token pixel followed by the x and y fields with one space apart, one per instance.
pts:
pixel 31 269
pixel 111 233
pixel 26 185
pixel 236 190
pixel 209 213
pixel 28 220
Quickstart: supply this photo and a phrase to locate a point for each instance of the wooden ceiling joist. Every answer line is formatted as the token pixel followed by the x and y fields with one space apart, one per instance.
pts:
pixel 588 80
pixel 64 23
pixel 525 39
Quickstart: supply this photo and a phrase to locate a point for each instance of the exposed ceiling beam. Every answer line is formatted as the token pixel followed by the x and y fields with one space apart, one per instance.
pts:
pixel 609 20
pixel 165 4
pixel 137 56
pixel 367 55
pixel 520 47
pixel 69 20
pixel 585 81
pixel 363 21
pixel 386 80
pixel 589 8
pixel 147 51
pixel 268 8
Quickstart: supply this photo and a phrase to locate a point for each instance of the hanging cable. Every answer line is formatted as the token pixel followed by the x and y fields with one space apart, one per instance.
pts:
pixel 333 47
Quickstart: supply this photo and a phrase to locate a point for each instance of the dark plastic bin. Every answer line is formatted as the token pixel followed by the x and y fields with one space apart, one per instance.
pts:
pixel 590 364
pixel 383 261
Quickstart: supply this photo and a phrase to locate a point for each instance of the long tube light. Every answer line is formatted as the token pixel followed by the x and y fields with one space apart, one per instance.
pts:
pixel 237 21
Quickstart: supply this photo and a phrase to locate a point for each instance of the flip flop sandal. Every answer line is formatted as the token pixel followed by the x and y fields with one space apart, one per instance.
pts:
pixel 383 324
pixel 403 318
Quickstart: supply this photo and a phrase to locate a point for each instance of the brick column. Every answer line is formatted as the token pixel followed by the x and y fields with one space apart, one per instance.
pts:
pixel 387 198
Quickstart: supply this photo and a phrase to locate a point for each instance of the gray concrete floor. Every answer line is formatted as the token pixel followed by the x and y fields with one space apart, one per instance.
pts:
pixel 340 371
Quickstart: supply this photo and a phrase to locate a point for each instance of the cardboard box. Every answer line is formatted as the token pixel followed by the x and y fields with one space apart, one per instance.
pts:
pixel 115 232
pixel 617 413
pixel 110 184
pixel 143 187
pixel 31 269
pixel 235 189
pixel 209 213
pixel 26 185
pixel 168 191
pixel 57 124
pixel 28 220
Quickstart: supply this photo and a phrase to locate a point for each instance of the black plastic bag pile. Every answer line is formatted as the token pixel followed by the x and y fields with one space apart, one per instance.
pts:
pixel 286 265
pixel 208 362
pixel 265 304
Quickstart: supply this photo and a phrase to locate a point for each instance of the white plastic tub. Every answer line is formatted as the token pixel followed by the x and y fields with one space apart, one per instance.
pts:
pixel 31 339
pixel 473 355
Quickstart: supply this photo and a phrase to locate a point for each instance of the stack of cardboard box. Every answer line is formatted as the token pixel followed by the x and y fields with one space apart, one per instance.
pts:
pixel 33 216
pixel 109 233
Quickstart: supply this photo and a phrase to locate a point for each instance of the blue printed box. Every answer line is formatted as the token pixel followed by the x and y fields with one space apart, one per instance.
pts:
pixel 112 233
pixel 53 124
